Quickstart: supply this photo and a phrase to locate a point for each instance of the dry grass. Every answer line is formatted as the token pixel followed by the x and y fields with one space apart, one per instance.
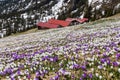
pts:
pixel 26 32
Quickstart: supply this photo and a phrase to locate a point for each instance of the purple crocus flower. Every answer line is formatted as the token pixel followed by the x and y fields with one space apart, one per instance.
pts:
pixel 76 66
pixel 36 78
pixel 55 59
pixel 90 75
pixel 45 71
pixel 115 64
pixel 43 59
pixel 21 66
pixel 118 56
pixel 81 78
pixel 84 75
pixel 83 67
pixel 73 76
pixel 77 50
pixel 42 74
pixel 103 60
pixel 18 72
pixel 117 49
pixel 36 52
pixel 3 73
pixel 47 57
pixel 72 58
pixel 28 76
pixel 37 73
pixel 107 49
pixel 100 66
pixel 42 51
pixel 56 77
pixel 77 56
pixel 51 79
pixel 12 78
pixel 9 71
pixel 108 61
pixel 105 55
pixel 112 44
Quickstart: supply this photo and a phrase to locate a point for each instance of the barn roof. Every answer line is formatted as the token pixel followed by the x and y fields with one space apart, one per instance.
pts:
pixel 77 19
pixel 47 25
pixel 70 19
pixel 59 22
pixel 82 20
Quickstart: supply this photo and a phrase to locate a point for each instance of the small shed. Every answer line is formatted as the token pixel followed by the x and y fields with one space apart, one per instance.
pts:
pixel 46 25
pixel 83 20
pixel 59 22
pixel 75 21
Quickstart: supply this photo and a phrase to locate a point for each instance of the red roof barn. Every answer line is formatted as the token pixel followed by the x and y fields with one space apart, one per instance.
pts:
pixel 82 20
pixel 46 25
pixel 76 20
pixel 59 22
pixel 70 19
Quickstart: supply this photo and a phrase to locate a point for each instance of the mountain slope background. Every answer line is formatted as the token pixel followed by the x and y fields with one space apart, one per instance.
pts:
pixel 21 15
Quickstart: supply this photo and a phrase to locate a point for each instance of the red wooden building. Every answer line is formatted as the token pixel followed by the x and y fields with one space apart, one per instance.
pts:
pixel 45 25
pixel 59 22
pixel 83 20
pixel 75 21
pixel 53 23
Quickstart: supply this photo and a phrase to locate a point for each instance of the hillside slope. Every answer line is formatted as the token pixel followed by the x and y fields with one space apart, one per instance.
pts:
pixel 90 49
pixel 21 15
pixel 38 35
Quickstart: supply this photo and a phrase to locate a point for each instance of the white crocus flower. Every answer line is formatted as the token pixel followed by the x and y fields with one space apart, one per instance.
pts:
pixel 119 70
pixel 53 69
pixel 25 66
pixel 92 69
pixel 67 73
pixel 111 74
pixel 18 77
pixel 100 77
pixel 71 67
pixel 24 77
pixel 34 68
pixel 104 68
pixel 31 69
pixel 111 67
pixel 97 74
pixel 7 77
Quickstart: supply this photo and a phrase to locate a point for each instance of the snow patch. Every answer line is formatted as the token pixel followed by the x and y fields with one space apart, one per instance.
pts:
pixel 103 12
pixel 98 7
pixel 90 2
pixel 57 7
pixel 29 4
pixel 74 11
pixel 24 15
pixel 82 16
